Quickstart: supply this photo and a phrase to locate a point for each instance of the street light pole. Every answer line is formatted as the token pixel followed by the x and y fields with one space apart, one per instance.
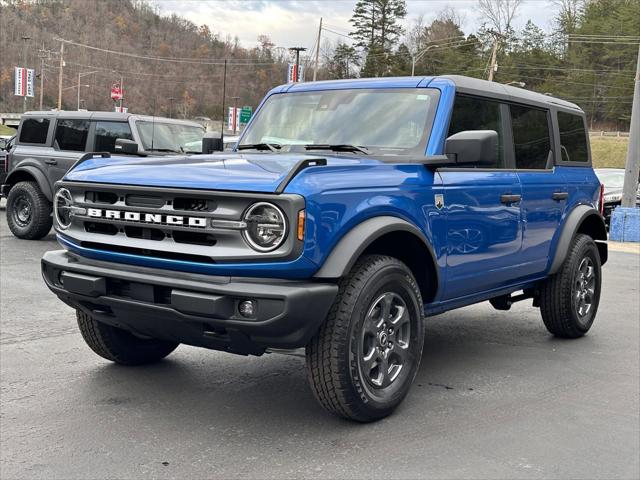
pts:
pixel 418 56
pixel 24 65
pixel 80 75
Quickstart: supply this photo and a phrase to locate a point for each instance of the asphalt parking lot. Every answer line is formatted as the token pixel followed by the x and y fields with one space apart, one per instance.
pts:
pixel 495 397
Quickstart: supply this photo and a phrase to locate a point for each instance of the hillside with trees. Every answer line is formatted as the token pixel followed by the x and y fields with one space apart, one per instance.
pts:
pixel 187 79
pixel 170 65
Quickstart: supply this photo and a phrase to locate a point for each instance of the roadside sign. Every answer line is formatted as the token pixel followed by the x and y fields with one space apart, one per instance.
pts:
pixel 245 115
pixel 24 82
pixel 116 92
pixel 293 75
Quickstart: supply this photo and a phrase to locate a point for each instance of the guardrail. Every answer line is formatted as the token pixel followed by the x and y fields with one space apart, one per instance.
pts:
pixel 602 133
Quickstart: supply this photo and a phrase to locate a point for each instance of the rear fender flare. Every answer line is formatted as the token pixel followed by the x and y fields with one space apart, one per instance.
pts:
pixel 36 174
pixel 572 225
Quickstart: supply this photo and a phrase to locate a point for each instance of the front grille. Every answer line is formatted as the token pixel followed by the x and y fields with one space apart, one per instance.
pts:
pixel 177 224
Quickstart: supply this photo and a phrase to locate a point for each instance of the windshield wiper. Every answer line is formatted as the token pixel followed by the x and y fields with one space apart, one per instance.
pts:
pixel 274 147
pixel 337 148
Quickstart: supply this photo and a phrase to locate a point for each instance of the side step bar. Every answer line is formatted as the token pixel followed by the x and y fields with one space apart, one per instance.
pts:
pixel 504 302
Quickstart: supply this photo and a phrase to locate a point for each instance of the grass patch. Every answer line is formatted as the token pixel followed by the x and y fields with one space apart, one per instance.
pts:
pixel 609 151
pixel 4 130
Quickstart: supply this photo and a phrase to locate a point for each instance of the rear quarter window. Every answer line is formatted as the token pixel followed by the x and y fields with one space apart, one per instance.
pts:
pixel 531 139
pixel 34 130
pixel 573 138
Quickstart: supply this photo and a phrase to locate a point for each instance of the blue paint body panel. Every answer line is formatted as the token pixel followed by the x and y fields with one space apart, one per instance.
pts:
pixel 482 247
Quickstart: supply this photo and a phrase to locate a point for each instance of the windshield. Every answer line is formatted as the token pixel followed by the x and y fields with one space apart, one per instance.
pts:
pixel 384 121
pixel 612 179
pixel 170 137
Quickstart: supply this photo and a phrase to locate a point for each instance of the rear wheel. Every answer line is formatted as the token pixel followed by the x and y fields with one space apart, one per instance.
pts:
pixel 569 299
pixel 119 345
pixel 364 358
pixel 28 211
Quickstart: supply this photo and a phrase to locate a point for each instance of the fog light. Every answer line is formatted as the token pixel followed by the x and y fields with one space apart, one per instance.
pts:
pixel 247 308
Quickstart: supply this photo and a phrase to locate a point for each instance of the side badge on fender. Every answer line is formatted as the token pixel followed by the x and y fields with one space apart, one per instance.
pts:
pixel 439 201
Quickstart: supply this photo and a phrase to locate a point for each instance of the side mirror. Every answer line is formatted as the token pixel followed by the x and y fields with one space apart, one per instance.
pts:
pixel 473 147
pixel 124 145
pixel 212 144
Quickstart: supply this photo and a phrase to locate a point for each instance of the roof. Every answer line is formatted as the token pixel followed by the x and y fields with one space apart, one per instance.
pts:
pixel 508 92
pixel 463 84
pixel 108 116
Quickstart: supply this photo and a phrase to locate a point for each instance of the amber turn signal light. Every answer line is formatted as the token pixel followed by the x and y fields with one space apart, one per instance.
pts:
pixel 301 218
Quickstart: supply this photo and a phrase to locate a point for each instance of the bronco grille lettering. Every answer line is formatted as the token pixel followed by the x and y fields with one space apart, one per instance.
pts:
pixel 153 218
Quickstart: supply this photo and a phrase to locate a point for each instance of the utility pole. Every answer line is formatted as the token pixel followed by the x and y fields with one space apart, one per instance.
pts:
pixel 633 153
pixel 43 54
pixel 60 75
pixel 121 91
pixel 297 50
pixel 24 65
pixel 494 53
pixel 315 68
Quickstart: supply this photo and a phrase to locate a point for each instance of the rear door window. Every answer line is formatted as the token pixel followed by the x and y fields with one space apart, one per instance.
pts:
pixel 72 134
pixel 531 138
pixel 471 113
pixel 34 130
pixel 108 132
pixel 573 138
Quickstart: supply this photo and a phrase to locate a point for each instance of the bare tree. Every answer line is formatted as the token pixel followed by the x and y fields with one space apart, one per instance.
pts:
pixel 499 14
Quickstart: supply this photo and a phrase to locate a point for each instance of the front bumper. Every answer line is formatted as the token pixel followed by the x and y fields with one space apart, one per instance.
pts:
pixel 199 310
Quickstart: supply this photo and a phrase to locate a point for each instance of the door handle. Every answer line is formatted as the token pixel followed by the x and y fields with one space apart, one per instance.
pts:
pixel 560 195
pixel 51 161
pixel 508 198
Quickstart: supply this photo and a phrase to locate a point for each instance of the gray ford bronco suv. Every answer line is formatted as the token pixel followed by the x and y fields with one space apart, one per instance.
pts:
pixel 48 143
pixel 348 212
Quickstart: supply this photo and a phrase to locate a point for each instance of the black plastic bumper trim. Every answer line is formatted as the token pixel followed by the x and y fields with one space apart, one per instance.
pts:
pixel 191 308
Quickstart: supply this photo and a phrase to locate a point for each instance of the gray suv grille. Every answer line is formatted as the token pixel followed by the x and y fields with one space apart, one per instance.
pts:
pixel 190 225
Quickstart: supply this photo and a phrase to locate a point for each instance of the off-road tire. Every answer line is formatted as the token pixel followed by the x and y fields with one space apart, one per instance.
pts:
pixel 119 345
pixel 333 368
pixel 39 219
pixel 558 293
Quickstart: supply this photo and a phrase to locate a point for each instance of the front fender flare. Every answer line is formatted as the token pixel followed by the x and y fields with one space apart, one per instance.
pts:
pixel 571 226
pixel 37 174
pixel 350 247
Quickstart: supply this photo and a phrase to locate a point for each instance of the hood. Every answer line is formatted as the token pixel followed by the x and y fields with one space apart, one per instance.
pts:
pixel 255 172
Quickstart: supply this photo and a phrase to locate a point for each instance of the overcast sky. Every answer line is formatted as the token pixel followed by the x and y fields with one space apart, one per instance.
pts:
pixel 295 22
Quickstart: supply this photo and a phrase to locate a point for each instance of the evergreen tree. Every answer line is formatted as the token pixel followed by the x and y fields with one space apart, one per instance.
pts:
pixel 342 62
pixel 377 29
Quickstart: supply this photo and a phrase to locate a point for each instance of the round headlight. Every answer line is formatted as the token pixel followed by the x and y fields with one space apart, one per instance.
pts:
pixel 62 203
pixel 266 226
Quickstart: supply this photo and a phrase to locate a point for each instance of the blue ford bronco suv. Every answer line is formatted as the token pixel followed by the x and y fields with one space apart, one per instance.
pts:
pixel 348 212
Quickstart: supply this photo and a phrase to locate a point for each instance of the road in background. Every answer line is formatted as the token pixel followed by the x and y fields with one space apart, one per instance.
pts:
pixel 496 397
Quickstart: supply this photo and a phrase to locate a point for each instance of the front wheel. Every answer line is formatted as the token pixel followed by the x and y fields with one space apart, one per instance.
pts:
pixel 569 299
pixel 120 346
pixel 28 211
pixel 362 361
